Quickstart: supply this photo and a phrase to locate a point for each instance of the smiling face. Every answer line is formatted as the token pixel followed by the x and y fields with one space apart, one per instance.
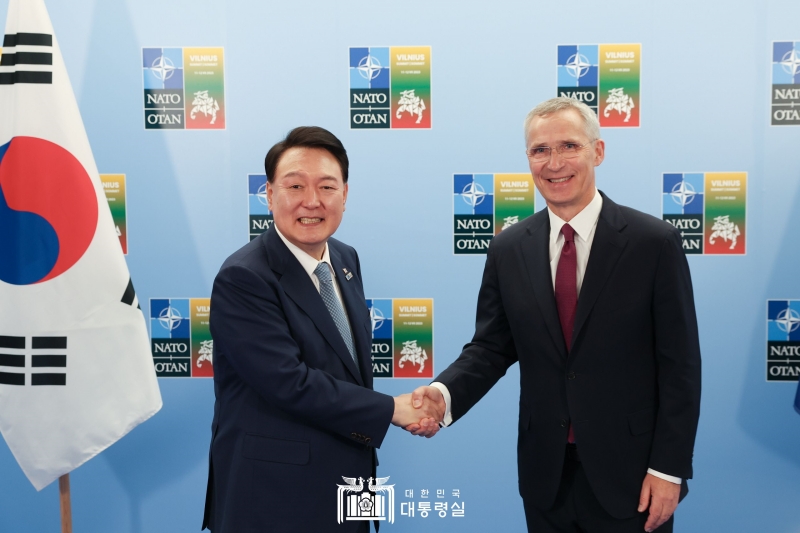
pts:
pixel 307 197
pixel 567 185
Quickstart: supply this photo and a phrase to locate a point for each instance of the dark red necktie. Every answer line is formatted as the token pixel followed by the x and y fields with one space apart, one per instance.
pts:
pixel 567 291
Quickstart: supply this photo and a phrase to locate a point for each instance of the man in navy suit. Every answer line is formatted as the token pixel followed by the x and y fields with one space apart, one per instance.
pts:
pixel 594 300
pixel 295 411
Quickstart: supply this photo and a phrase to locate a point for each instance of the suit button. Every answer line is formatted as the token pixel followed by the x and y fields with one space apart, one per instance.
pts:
pixel 367 440
pixel 571 375
pixel 563 422
pixel 354 435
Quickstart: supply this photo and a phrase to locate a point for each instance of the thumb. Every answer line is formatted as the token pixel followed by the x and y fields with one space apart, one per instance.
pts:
pixel 644 497
pixel 417 396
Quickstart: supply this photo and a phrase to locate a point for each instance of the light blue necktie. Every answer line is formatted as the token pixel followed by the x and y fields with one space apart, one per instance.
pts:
pixel 334 306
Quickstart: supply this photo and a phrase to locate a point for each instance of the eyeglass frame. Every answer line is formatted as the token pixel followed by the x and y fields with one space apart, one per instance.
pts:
pixel 558 150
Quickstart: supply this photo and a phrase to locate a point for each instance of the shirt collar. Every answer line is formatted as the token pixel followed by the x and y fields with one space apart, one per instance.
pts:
pixel 308 262
pixel 582 223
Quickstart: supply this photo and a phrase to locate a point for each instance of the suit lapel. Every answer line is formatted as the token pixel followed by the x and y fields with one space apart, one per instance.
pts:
pixel 536 252
pixel 606 249
pixel 356 308
pixel 299 287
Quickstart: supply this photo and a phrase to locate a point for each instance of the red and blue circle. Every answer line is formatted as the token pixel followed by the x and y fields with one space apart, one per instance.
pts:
pixel 48 211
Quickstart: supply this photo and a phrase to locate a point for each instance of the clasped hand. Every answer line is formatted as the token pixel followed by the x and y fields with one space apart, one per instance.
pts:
pixel 420 412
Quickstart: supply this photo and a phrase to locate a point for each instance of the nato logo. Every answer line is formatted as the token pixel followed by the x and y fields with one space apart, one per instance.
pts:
pixel 260 215
pixel 170 334
pixel 783 340
pixel 370 103
pixel 785 83
pixel 163 88
pixel 473 213
pixel 683 205
pixel 380 314
pixel 578 67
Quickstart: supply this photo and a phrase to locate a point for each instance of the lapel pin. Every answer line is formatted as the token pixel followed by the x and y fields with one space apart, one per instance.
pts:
pixel 348 275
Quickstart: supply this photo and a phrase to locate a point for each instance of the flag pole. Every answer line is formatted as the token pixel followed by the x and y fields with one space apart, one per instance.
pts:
pixel 66 505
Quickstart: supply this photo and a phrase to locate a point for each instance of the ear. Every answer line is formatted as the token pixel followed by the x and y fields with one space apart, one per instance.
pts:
pixel 269 195
pixel 344 197
pixel 599 152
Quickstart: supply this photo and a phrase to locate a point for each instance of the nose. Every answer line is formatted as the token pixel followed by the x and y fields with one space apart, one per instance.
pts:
pixel 310 197
pixel 556 161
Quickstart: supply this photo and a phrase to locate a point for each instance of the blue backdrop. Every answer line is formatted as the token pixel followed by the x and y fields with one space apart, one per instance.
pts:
pixel 705 107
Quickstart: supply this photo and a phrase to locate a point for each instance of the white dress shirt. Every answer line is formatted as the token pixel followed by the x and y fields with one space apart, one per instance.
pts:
pixel 585 225
pixel 310 263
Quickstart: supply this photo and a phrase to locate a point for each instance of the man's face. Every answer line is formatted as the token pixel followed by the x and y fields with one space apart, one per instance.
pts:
pixel 307 197
pixel 567 185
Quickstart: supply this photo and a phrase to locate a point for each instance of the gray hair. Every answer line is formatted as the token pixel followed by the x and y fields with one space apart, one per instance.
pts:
pixel 561 103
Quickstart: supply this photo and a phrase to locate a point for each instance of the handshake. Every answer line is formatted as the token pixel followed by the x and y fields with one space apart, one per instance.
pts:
pixel 420 412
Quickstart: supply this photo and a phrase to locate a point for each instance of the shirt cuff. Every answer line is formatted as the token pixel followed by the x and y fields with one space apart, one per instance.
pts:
pixel 448 416
pixel 671 479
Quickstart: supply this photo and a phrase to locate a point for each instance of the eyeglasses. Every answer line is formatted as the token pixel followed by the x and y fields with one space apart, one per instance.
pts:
pixel 566 150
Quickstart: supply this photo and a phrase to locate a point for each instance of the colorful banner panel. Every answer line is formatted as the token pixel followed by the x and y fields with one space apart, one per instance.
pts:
pixel 709 209
pixel 114 187
pixel 402 337
pixel 390 87
pixel 783 340
pixel 180 337
pixel 184 88
pixel 486 204
pixel 260 218
pixel 606 77
pixel 785 109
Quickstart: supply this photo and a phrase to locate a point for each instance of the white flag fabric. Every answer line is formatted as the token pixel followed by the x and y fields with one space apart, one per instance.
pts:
pixel 76 372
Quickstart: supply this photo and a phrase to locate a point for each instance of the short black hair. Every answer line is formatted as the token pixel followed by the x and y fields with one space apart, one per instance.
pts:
pixel 308 137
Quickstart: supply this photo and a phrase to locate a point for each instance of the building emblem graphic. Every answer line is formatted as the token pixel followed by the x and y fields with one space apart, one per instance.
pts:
pixel 591 72
pixel 486 204
pixel 402 337
pixel 357 502
pixel 709 210
pixel 390 87
pixel 260 217
pixel 183 88
pixel 783 340
pixel 785 100
pixel 180 338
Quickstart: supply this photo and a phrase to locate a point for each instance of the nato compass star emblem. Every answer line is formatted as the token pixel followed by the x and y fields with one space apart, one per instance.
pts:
pixel 162 68
pixel 473 194
pixel 788 320
pixel 791 62
pixel 683 193
pixel 170 318
pixel 376 317
pixel 261 194
pixel 369 67
pixel 577 65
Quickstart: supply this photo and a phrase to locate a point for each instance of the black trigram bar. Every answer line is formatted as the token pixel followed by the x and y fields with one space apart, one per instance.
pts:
pixel 26 58
pixel 24 76
pixel 48 379
pixel 49 343
pixel 12 342
pixel 47 360
pixel 129 295
pixel 7 359
pixel 10 378
pixel 27 39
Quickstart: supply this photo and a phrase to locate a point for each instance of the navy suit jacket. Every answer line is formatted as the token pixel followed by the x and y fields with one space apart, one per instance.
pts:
pixel 630 385
pixel 293 413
